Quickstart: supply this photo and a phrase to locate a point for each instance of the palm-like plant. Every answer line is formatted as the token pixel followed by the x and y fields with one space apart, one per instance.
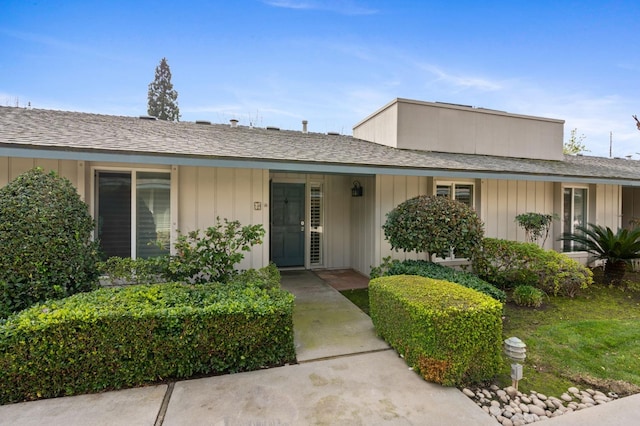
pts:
pixel 616 249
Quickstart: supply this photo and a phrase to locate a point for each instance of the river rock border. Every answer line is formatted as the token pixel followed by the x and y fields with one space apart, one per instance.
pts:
pixel 513 408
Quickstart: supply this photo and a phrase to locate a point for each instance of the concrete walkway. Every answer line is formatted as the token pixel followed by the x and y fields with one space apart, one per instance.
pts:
pixel 346 376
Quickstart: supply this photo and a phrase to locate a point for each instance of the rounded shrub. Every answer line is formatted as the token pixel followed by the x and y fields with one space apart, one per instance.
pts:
pixel 45 235
pixel 434 225
pixel 509 263
pixel 526 295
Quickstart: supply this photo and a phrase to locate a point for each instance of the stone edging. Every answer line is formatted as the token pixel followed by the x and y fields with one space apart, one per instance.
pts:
pixel 513 408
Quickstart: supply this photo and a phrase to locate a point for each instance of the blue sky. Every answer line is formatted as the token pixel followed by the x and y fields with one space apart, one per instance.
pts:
pixel 332 62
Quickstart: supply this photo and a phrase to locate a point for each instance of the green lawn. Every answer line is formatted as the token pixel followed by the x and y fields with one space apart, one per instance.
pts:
pixel 592 340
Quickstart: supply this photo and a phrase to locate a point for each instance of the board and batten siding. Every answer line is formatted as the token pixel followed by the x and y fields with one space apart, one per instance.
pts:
pixel 502 200
pixel 608 205
pixel 205 193
pixel 337 221
pixel 12 167
pixel 392 190
pixel 363 225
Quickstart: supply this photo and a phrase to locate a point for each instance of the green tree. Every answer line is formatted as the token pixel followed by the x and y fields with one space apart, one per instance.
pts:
pixel 434 225
pixel 162 98
pixel 575 145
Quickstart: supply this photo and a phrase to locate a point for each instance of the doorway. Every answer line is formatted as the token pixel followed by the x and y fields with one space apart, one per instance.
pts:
pixel 287 224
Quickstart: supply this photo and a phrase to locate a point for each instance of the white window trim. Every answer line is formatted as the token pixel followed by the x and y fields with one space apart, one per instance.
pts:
pixel 587 202
pixel 453 183
pixel 133 170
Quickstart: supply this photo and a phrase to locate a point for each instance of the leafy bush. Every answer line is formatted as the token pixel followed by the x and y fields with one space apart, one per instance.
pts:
pixel 438 272
pixel 526 295
pixel 509 263
pixel 45 235
pixel 128 271
pixel 616 249
pixel 434 225
pixel 121 337
pixel 267 278
pixel 448 333
pixel 536 226
pixel 212 255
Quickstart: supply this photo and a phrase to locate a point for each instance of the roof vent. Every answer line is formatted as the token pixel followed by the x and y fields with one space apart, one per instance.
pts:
pixel 333 133
pixel 304 126
pixel 147 117
pixel 234 122
pixel 273 128
pixel 203 122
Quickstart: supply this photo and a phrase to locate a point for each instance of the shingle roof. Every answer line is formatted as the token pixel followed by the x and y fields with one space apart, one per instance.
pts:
pixel 94 133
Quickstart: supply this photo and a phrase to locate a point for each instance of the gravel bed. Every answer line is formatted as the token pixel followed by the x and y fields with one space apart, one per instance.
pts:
pixel 513 408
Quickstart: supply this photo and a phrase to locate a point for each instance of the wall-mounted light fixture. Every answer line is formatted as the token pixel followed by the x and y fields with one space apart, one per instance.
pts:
pixel 356 190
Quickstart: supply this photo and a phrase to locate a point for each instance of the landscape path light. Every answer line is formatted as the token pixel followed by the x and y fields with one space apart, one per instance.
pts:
pixel 515 350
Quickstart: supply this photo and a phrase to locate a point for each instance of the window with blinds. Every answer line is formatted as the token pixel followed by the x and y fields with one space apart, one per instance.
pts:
pixel 316 224
pixel 457 191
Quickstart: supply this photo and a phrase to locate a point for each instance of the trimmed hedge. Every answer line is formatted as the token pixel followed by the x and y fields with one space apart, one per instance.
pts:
pixel 447 333
pixel 122 337
pixel 440 272
pixel 511 263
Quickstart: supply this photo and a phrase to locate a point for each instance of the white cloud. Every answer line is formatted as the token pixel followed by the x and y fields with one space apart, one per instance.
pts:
pixel 460 81
pixel 343 7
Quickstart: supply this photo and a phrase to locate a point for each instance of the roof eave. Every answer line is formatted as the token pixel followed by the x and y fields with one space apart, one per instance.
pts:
pixel 8 150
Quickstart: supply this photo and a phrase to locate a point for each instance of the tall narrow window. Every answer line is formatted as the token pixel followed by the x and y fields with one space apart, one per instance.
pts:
pixel 133 213
pixel 575 214
pixel 152 214
pixel 316 222
pixel 113 198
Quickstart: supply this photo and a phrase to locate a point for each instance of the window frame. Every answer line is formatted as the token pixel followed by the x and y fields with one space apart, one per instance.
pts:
pixel 572 245
pixel 133 219
pixel 452 185
pixel 452 188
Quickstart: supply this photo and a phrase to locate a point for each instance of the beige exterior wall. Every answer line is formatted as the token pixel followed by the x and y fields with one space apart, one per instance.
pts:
pixel 352 232
pixel 450 128
pixel 205 193
pixel 502 200
pixel 608 205
pixel 498 202
pixel 381 127
pixel 391 191
pixel 10 168
pixel 363 228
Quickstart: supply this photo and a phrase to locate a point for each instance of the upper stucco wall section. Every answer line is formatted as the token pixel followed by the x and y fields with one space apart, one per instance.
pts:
pixel 458 129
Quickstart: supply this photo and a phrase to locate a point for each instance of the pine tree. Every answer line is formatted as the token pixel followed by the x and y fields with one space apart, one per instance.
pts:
pixel 162 98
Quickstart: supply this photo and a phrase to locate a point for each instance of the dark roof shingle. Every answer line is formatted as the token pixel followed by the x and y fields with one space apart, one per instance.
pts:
pixel 84 132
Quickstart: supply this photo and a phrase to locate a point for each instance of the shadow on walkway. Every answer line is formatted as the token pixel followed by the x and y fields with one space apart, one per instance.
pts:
pixel 327 324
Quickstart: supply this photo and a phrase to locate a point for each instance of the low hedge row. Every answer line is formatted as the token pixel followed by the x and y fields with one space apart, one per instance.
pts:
pixel 509 263
pixel 449 334
pixel 121 337
pixel 441 272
